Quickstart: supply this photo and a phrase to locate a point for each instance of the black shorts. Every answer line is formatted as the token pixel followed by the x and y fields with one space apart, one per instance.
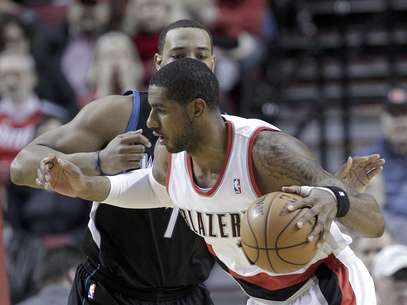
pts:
pixel 87 291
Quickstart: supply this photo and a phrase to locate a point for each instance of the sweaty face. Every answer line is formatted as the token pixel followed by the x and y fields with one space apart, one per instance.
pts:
pixel 187 43
pixel 170 122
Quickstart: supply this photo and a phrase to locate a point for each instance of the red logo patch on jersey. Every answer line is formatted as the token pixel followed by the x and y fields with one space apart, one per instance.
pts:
pixel 236 186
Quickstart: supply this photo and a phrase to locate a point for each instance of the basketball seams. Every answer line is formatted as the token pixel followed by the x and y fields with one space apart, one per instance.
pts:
pixel 278 238
pixel 266 230
pixel 280 248
pixel 274 226
pixel 255 237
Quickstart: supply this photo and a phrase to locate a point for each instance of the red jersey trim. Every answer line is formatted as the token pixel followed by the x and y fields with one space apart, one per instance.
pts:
pixel 214 187
pixel 250 165
pixel 272 283
pixel 168 174
pixel 341 271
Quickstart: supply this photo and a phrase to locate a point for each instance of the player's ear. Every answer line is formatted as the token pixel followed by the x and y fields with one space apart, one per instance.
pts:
pixel 213 64
pixel 157 61
pixel 196 108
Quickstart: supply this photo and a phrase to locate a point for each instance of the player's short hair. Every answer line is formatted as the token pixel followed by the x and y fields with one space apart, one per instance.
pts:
pixel 182 23
pixel 187 79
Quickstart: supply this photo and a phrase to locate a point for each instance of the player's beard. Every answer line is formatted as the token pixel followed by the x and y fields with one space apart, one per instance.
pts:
pixel 187 140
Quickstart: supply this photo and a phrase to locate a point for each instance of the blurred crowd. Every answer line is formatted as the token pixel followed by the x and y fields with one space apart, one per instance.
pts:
pixel 57 56
pixel 386 257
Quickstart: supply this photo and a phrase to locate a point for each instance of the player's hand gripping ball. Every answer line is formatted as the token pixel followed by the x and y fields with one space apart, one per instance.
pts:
pixel 270 238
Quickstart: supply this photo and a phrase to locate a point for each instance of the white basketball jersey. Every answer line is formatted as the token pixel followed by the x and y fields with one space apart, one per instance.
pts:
pixel 215 213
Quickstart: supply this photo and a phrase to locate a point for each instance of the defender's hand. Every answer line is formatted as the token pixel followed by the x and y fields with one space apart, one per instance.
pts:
pixel 321 204
pixel 124 152
pixel 61 176
pixel 357 172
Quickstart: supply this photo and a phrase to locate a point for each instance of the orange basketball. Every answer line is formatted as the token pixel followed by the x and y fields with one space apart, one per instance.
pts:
pixel 270 238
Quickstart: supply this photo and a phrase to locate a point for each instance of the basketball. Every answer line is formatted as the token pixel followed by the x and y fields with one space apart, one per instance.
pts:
pixel 270 238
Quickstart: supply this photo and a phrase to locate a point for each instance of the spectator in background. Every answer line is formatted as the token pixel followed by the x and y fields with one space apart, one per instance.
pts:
pixel 15 35
pixel 55 272
pixel 144 21
pixel 22 113
pixel 393 148
pixel 86 21
pixel 367 248
pixel 238 16
pixel 203 11
pixel 116 66
pixel 34 216
pixel 18 36
pixel 390 275
pixel 238 35
pixel 8 6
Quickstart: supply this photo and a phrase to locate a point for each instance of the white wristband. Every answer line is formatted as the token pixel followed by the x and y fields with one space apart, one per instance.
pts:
pixel 305 190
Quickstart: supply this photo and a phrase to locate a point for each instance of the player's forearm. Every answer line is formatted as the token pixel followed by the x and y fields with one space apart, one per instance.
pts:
pixel 137 189
pixel 24 167
pixel 86 161
pixel 23 170
pixel 364 216
pixel 96 188
pixel 133 190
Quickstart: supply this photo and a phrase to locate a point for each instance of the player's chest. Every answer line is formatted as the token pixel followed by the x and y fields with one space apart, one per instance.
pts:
pixel 214 213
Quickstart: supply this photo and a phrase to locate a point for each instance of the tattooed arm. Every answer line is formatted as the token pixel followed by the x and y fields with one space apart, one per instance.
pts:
pixel 282 160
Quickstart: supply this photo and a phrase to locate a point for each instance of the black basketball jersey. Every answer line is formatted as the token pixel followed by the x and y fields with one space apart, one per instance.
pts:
pixel 127 247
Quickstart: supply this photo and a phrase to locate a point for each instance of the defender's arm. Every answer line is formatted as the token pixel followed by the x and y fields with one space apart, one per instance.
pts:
pixel 94 126
pixel 143 188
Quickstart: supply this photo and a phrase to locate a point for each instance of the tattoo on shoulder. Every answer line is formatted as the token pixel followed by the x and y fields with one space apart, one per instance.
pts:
pixel 286 159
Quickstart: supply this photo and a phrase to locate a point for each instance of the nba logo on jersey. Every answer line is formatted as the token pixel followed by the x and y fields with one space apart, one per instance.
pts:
pixel 91 291
pixel 236 186
pixel 146 162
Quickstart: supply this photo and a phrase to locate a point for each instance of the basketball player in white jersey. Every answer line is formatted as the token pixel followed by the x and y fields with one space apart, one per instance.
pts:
pixel 213 167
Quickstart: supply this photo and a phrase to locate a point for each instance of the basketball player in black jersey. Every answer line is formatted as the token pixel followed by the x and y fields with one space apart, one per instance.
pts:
pixel 134 257
pixel 129 259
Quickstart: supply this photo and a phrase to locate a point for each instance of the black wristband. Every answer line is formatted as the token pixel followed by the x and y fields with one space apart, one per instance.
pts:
pixel 98 166
pixel 342 200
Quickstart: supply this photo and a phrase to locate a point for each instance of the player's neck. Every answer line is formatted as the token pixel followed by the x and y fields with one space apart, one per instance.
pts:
pixel 208 156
